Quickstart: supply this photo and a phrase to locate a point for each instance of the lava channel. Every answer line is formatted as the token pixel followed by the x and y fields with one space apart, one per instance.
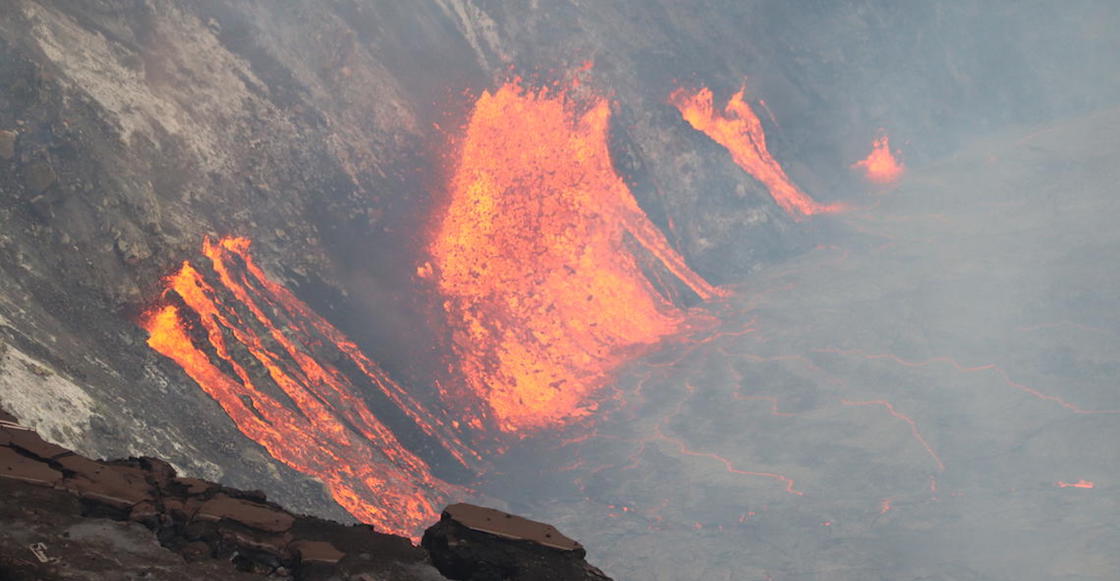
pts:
pixel 226 324
pixel 739 130
pixel 538 257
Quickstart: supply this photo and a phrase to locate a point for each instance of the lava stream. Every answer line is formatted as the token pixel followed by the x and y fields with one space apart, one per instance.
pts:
pixel 536 257
pixel 913 426
pixel 218 332
pixel 739 129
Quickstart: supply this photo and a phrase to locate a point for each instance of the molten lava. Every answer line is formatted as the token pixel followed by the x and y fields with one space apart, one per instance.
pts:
pixel 537 258
pixel 880 166
pixel 305 411
pixel 739 129
pixel 1079 484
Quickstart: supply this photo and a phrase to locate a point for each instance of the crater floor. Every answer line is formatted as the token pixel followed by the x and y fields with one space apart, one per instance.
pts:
pixel 931 397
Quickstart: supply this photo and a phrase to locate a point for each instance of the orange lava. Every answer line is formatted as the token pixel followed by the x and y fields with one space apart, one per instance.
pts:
pixel 327 431
pixel 739 129
pixel 537 258
pixel 880 166
pixel 1079 484
pixel 913 426
pixel 886 505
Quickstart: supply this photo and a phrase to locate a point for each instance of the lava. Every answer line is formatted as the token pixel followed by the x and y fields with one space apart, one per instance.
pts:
pixel 913 426
pixel 880 166
pixel 537 256
pixel 684 450
pixel 739 129
pixel 886 505
pixel 305 411
pixel 1079 484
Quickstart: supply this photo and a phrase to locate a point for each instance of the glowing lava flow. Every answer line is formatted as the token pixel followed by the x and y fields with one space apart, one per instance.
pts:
pixel 1079 484
pixel 913 427
pixel 303 410
pixel 739 129
pixel 535 256
pixel 880 166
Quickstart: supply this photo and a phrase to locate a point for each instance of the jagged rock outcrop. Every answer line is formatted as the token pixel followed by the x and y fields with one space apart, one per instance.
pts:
pixel 64 516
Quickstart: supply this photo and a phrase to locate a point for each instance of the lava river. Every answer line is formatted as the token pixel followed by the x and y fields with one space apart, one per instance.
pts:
pixel 542 259
pixel 223 322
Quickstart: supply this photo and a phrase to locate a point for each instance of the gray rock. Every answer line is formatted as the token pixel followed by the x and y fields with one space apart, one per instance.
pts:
pixel 38 176
pixel 7 144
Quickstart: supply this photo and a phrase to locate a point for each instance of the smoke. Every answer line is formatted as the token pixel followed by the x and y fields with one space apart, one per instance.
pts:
pixel 910 402
pixel 912 397
pixel 902 390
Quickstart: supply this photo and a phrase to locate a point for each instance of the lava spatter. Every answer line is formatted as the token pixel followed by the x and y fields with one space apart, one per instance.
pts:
pixel 542 286
pixel 739 129
pixel 880 166
pixel 309 415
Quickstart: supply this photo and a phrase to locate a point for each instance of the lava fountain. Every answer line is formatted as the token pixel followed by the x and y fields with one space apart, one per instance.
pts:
pixel 538 258
pixel 880 166
pixel 739 129
pixel 223 324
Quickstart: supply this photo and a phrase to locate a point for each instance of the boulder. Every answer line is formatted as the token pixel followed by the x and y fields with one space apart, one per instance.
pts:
pixel 489 545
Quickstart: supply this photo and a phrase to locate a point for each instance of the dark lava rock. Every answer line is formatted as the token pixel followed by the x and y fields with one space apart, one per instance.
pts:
pixel 465 553
pixel 64 516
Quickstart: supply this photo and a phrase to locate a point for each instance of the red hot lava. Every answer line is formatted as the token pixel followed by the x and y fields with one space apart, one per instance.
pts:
pixel 739 129
pixel 306 412
pixel 880 166
pixel 536 256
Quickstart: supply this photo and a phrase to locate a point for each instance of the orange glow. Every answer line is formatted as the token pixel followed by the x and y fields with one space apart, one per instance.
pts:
pixel 739 129
pixel 913 426
pixel 1079 484
pixel 536 258
pixel 885 505
pixel 880 166
pixel 248 320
